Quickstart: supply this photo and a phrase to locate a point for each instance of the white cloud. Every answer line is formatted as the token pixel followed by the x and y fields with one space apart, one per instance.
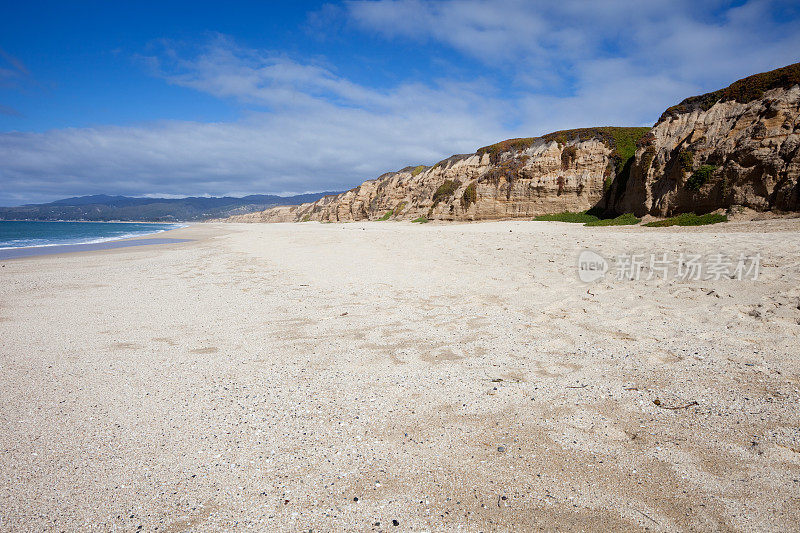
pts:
pixel 695 44
pixel 577 63
pixel 533 67
pixel 319 132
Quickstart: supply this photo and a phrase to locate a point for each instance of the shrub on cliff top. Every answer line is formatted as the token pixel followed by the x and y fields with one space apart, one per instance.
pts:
pixel 743 91
pixel 625 140
pixel 621 140
pixel 510 145
pixel 418 170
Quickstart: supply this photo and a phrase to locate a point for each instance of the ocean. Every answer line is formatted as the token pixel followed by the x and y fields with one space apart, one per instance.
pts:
pixel 14 234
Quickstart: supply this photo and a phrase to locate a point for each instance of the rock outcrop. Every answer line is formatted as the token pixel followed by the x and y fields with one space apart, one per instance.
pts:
pixel 736 146
pixel 562 171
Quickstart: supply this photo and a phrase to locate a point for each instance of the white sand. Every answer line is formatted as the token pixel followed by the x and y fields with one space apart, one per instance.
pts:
pixel 219 384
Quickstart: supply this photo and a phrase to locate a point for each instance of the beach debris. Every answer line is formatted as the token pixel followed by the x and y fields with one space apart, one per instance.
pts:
pixel 497 380
pixel 576 386
pixel 648 517
pixel 657 403
pixel 756 447
pixel 395 523
pixel 501 449
pixel 344 314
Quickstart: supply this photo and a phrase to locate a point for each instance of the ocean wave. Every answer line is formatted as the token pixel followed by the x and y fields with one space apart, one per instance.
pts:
pixel 29 243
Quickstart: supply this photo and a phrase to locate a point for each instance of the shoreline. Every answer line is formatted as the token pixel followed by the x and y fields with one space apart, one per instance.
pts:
pixel 59 249
pixel 101 243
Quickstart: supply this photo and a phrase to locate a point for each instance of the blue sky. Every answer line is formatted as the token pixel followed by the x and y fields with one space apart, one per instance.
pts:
pixel 196 98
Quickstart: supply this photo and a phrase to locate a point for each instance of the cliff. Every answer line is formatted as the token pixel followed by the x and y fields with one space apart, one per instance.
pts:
pixel 562 171
pixel 735 146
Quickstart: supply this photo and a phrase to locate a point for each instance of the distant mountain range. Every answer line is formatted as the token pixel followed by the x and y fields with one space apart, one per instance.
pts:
pixel 103 207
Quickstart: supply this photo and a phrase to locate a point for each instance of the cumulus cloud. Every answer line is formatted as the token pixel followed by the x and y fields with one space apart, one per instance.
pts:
pixel 583 63
pixel 317 131
pixel 531 67
pixel 685 39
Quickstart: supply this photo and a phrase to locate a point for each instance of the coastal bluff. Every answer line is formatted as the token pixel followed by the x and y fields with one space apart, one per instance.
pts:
pixel 562 171
pixel 739 146
pixel 736 146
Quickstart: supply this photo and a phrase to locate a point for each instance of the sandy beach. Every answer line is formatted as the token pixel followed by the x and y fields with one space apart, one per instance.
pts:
pixel 401 377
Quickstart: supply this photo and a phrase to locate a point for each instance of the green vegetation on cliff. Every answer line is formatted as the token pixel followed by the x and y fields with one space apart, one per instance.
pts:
pixel 470 196
pixel 700 177
pixel 742 91
pixel 621 140
pixel 445 190
pixel 686 160
pixel 418 170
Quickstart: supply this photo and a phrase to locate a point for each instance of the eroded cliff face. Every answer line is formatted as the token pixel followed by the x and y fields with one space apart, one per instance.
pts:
pixel 563 171
pixel 736 146
pixel 727 148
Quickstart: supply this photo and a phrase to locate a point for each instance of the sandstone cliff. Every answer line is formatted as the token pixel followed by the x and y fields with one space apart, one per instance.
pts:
pixel 561 171
pixel 736 146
